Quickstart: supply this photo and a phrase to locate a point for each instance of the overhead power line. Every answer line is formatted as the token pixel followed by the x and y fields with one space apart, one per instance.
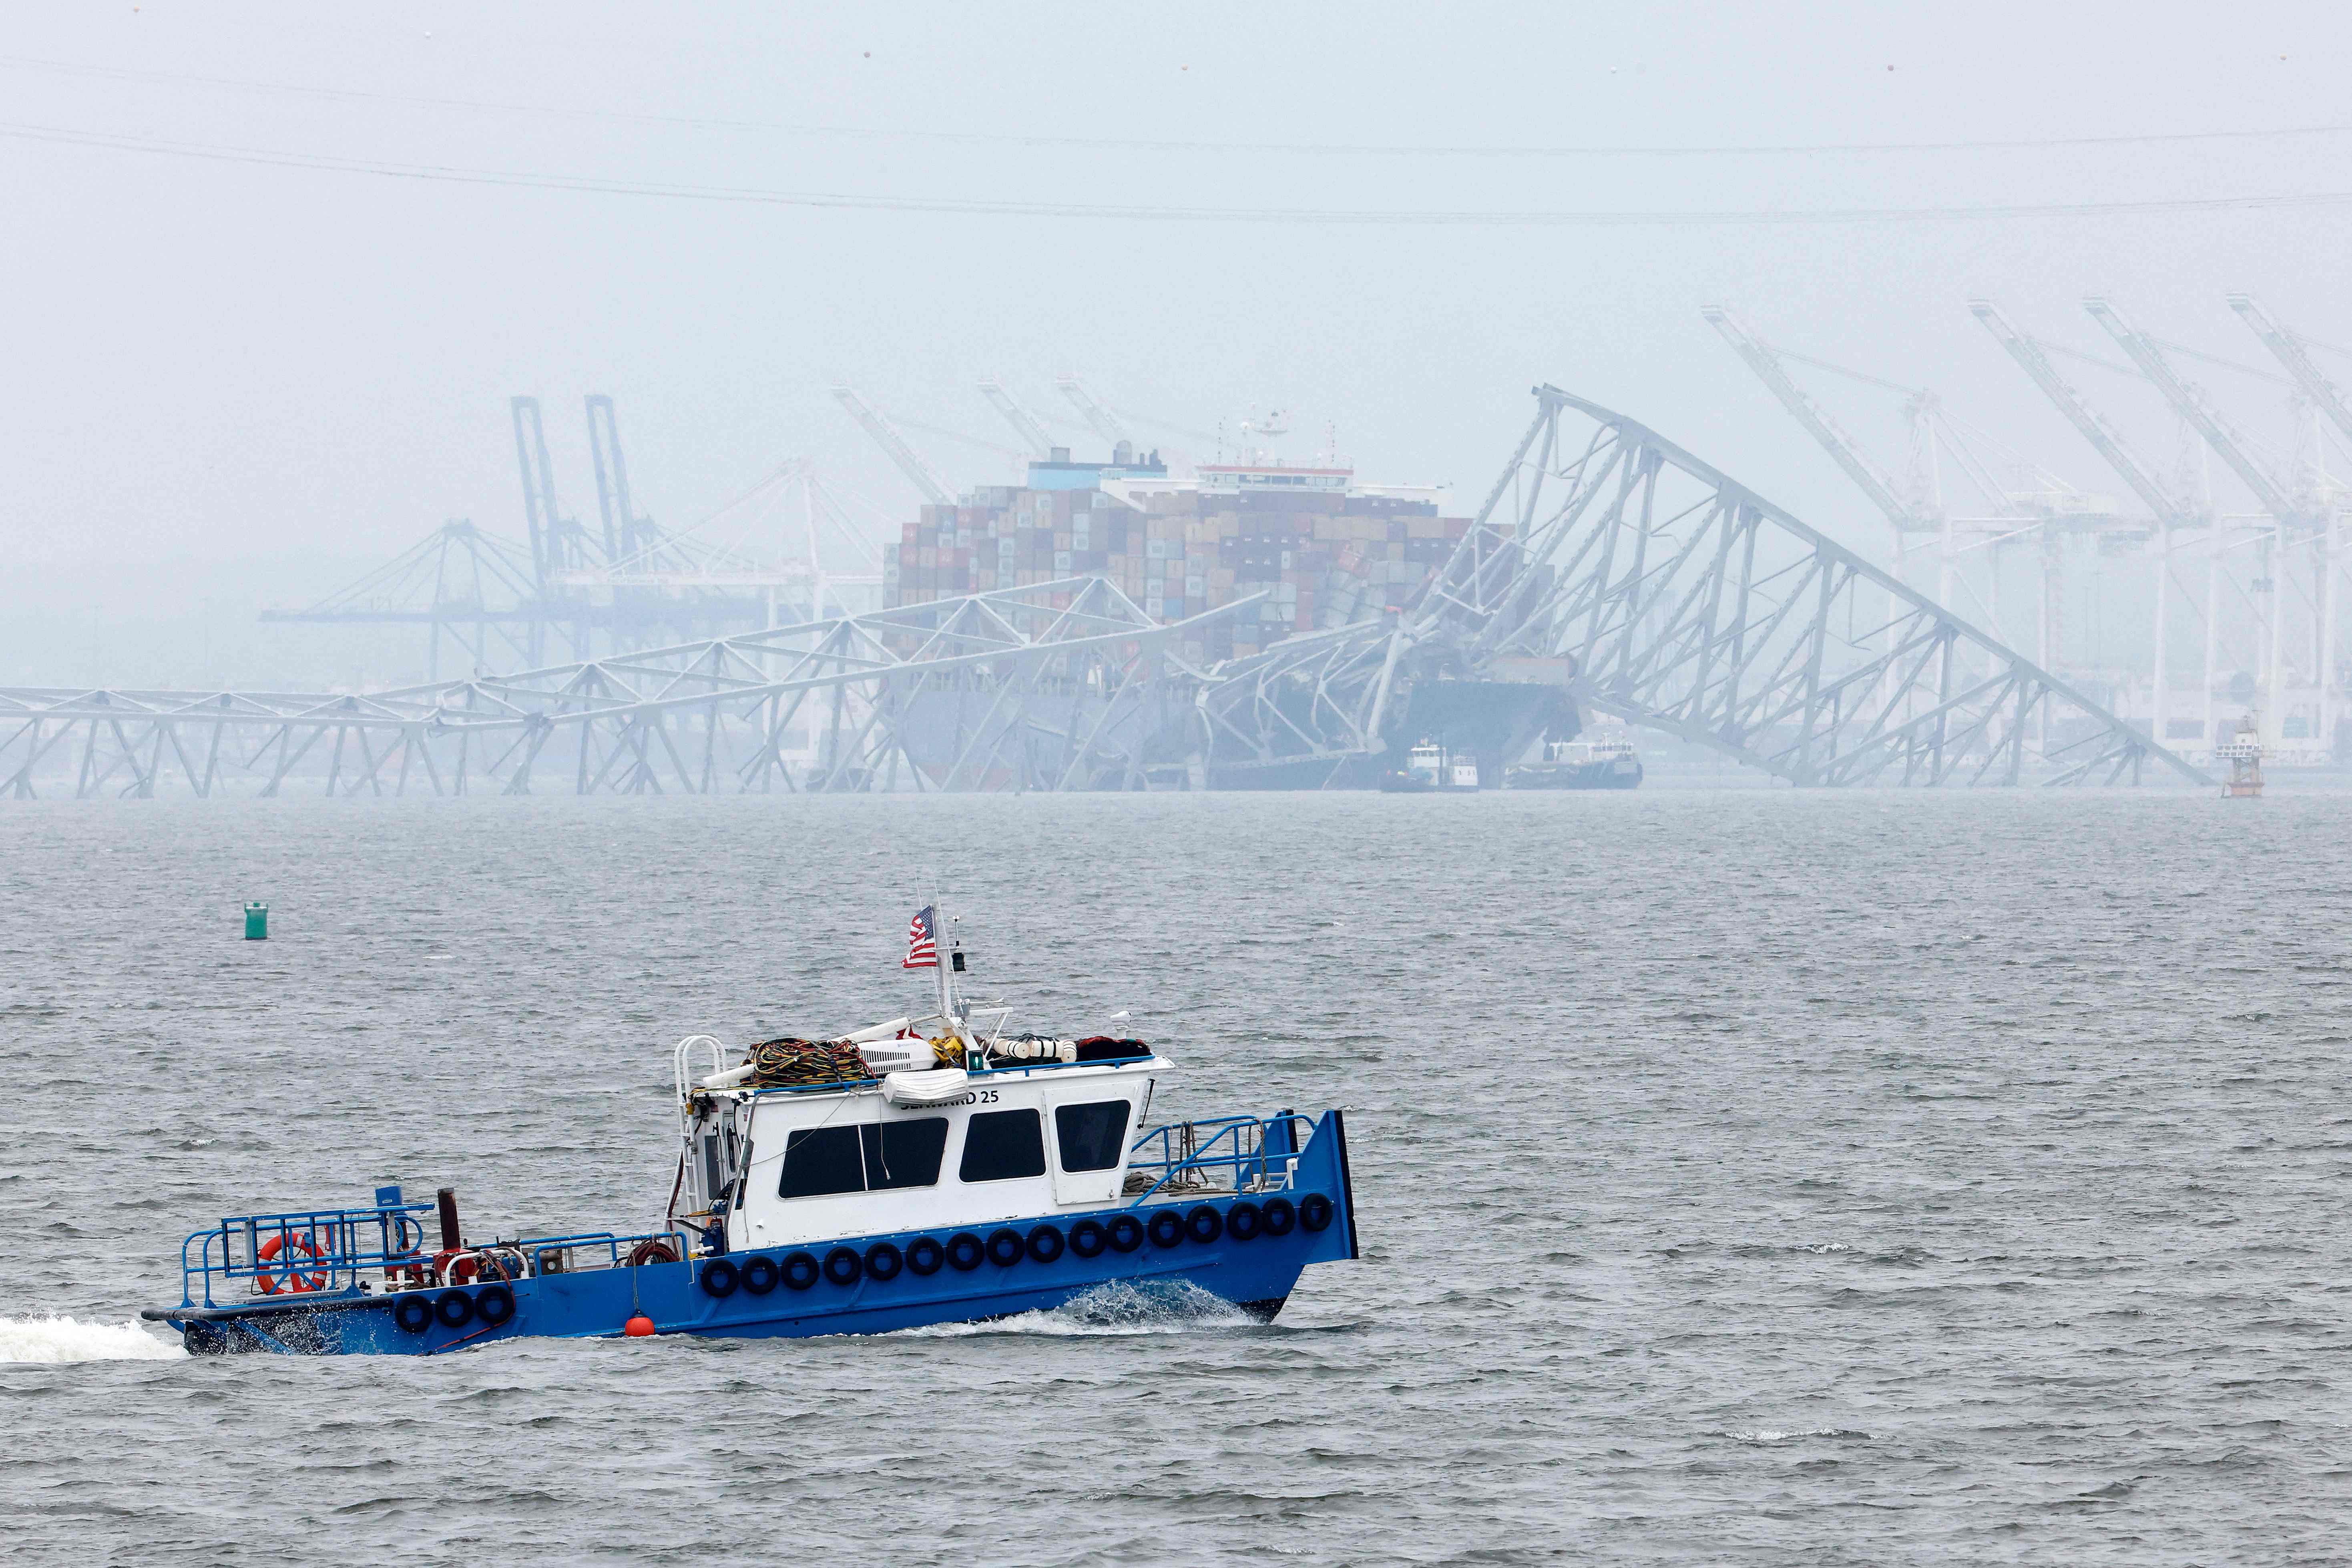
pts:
pixel 1373 218
pixel 1148 144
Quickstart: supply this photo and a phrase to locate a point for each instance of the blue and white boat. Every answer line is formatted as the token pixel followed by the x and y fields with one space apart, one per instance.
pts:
pixel 926 1170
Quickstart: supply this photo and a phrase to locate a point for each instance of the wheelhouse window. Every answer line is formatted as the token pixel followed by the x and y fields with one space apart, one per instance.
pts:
pixel 821 1161
pixel 904 1153
pixel 999 1145
pixel 1091 1137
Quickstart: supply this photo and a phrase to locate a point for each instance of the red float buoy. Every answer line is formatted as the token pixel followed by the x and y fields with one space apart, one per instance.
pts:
pixel 638 1327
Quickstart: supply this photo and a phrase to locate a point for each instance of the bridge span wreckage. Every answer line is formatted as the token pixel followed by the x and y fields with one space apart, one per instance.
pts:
pixel 1607 570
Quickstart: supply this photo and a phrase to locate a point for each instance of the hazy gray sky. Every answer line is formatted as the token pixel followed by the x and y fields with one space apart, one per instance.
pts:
pixel 226 362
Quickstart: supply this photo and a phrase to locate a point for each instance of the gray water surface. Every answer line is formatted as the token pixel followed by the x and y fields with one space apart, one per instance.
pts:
pixel 1744 1175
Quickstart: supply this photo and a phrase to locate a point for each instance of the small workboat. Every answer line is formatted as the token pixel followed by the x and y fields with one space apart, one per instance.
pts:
pixel 925 1170
pixel 1430 767
pixel 1605 760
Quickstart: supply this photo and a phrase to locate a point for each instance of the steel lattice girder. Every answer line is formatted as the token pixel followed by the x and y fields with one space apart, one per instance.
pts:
pixel 1308 699
pixel 1693 605
pixel 998 690
pixel 1687 604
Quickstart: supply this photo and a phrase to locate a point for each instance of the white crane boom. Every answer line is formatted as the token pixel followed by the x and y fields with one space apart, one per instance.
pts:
pixel 2104 437
pixel 2191 404
pixel 1843 447
pixel 894 446
pixel 1095 413
pixel 1020 418
pixel 2290 352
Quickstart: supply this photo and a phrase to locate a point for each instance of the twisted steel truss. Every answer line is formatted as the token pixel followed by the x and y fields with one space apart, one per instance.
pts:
pixel 1064 685
pixel 1604 559
pixel 1682 601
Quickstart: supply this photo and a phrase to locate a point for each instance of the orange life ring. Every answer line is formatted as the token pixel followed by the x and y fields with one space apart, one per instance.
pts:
pixel 290 1245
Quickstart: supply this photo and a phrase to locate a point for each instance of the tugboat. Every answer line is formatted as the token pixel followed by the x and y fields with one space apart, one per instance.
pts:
pixel 926 1170
pixel 1428 767
pixel 1602 762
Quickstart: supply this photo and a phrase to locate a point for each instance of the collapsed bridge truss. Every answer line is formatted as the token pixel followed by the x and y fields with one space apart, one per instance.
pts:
pixel 1063 685
pixel 1605 560
pixel 1677 599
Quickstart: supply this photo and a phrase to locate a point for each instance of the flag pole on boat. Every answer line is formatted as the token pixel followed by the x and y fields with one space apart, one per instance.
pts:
pixel 939 960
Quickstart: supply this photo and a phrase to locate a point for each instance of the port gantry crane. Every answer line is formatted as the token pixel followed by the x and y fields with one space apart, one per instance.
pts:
pixel 2174 512
pixel 2324 396
pixel 2296 520
pixel 494 599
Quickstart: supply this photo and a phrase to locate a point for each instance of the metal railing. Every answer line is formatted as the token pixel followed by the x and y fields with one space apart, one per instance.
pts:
pixel 301 1252
pixel 1228 1153
pixel 312 1255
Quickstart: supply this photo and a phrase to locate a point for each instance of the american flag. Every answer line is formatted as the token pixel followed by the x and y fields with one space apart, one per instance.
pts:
pixel 922 941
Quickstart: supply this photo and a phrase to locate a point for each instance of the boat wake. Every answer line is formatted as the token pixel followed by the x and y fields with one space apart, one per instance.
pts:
pixel 54 1339
pixel 1766 1434
pixel 1115 1308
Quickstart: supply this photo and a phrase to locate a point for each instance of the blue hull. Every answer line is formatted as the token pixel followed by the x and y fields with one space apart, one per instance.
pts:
pixel 1256 1273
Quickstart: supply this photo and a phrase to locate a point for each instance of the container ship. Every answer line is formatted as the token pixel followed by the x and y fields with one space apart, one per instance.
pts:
pixel 1326 549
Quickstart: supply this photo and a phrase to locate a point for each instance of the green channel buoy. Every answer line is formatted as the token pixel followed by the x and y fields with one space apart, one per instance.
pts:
pixel 257 922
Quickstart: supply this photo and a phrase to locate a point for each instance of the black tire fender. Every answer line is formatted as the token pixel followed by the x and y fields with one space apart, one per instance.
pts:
pixel 1007 1246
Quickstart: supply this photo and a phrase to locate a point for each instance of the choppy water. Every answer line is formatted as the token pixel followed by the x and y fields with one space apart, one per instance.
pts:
pixel 1744 1176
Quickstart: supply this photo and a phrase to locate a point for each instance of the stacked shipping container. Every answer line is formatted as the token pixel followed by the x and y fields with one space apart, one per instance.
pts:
pixel 1326 556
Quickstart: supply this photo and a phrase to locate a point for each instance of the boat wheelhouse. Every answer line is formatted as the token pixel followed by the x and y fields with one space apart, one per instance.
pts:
pixel 921 1171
